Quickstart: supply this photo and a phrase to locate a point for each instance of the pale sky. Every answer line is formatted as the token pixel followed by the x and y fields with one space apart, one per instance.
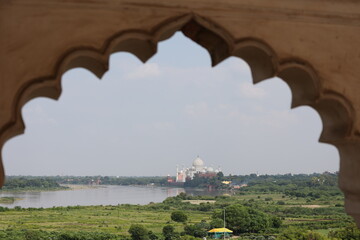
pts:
pixel 144 119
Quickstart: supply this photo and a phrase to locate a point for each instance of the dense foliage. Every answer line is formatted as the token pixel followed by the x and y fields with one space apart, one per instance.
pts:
pixel 299 234
pixel 312 186
pixel 21 183
pixel 111 180
pixel 138 232
pixel 350 232
pixel 297 185
pixel 11 234
pixel 201 182
pixel 169 233
pixel 178 216
pixel 198 230
pixel 243 219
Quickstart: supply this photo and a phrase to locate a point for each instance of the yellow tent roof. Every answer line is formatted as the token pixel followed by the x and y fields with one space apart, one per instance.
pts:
pixel 220 230
pixel 226 182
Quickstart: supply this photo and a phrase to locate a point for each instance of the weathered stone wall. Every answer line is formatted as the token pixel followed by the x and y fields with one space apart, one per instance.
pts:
pixel 310 44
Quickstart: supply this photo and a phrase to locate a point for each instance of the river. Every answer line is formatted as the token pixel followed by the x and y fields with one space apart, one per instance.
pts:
pixel 102 195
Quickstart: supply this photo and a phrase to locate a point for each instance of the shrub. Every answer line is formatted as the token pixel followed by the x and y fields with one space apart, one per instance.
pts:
pixel 349 233
pixel 178 216
pixel 195 230
pixel 138 232
pixel 243 219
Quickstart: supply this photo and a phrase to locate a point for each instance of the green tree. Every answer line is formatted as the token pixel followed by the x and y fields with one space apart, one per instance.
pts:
pixel 195 230
pixel 178 216
pixel 349 233
pixel 217 223
pixel 138 232
pixel 182 196
pixel 293 233
pixel 242 219
pixel 152 236
pixel 275 222
pixel 168 232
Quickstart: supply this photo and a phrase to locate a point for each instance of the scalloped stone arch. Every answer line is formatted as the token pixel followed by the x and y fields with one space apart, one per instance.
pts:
pixel 310 81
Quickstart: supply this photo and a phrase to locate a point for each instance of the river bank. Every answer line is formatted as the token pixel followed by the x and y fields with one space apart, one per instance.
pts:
pixel 80 186
pixel 85 195
pixel 8 200
pixel 36 189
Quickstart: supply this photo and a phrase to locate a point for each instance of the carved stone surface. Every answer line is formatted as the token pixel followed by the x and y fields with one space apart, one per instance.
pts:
pixel 311 44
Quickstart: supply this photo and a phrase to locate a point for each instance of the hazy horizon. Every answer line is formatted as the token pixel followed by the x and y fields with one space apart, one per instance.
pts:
pixel 158 175
pixel 144 119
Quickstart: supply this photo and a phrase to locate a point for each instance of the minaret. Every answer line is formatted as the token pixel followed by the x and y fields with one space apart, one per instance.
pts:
pixel 177 173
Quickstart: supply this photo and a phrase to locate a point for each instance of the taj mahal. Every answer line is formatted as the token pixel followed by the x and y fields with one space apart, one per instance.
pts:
pixel 198 168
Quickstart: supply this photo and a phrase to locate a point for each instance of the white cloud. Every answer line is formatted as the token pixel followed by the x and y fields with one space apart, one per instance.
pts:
pixel 144 70
pixel 197 110
pixel 35 114
pixel 154 127
pixel 257 116
pixel 237 65
pixel 279 119
pixel 249 90
pixel 163 126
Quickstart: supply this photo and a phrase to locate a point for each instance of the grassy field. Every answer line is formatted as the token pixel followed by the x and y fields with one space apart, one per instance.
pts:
pixel 270 207
pixel 112 219
pixel 117 219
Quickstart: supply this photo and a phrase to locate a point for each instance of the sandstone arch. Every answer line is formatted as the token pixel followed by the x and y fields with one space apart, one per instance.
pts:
pixel 311 48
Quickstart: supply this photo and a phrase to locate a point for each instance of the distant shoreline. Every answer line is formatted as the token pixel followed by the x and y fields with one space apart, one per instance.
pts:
pixel 9 200
pixel 80 186
pixel 32 190
pixel 71 187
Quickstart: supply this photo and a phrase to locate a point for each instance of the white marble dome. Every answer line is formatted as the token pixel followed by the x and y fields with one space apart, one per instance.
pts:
pixel 198 164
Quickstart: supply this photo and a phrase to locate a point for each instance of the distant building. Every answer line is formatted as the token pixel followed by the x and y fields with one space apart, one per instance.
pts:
pixel 95 182
pixel 198 168
pixel 170 179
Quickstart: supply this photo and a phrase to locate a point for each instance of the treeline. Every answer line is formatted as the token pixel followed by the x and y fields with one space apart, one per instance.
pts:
pixel 311 186
pixel 54 182
pixel 202 182
pixel 28 183
pixel 297 185
pixel 111 180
